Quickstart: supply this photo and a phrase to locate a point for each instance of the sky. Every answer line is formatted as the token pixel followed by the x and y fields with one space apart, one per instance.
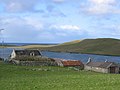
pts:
pixel 58 21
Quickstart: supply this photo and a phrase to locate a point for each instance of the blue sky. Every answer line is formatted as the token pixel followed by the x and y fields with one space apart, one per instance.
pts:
pixel 57 21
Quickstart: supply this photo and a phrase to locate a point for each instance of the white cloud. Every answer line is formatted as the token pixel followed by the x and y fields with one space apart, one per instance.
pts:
pixel 20 29
pixel 35 22
pixel 102 6
pixel 66 30
pixel 54 11
pixel 99 2
pixel 11 20
pixel 58 1
pixel 65 27
pixel 14 6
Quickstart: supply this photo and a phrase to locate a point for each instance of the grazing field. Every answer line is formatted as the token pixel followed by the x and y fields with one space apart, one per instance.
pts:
pixel 54 78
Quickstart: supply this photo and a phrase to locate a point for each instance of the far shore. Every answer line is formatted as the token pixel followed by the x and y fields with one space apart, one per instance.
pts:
pixel 28 46
pixel 48 47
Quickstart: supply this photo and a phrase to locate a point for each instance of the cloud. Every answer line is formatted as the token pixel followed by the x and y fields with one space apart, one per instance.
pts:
pixel 14 6
pixel 19 29
pixel 44 8
pixel 58 1
pixel 101 7
pixel 32 29
pixel 54 11
pixel 99 2
pixel 67 31
pixel 65 27
pixel 36 23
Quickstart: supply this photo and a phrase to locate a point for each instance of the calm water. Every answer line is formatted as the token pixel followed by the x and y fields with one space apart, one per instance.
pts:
pixel 4 53
pixel 82 57
pixel 21 44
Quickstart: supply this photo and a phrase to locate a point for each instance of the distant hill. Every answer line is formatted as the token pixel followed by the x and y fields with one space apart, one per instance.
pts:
pixel 71 42
pixel 105 46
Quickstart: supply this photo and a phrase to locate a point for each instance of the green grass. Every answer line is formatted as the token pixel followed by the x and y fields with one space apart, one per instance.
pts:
pixel 54 78
pixel 71 42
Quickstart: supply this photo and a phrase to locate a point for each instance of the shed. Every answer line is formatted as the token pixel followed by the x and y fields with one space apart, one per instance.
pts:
pixel 104 67
pixel 69 63
pixel 16 53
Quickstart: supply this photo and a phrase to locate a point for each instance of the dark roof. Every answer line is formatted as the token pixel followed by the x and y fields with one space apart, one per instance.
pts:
pixel 102 64
pixel 27 52
pixel 72 63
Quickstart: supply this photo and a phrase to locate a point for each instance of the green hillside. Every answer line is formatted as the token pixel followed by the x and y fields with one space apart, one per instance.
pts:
pixel 71 42
pixel 13 77
pixel 105 46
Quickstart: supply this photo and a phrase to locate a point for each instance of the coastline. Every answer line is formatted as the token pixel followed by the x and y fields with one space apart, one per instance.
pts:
pixel 48 48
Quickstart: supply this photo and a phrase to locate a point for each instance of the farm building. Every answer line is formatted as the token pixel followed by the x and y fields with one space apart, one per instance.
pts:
pixel 69 63
pixel 30 58
pixel 58 61
pixel 104 67
pixel 16 53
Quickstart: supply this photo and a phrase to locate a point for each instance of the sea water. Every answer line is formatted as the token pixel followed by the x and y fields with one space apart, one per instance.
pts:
pixel 5 53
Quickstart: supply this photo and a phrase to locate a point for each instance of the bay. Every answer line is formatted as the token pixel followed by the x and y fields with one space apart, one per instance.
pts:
pixel 81 57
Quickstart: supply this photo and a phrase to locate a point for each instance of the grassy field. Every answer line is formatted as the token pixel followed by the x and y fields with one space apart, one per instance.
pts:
pixel 54 78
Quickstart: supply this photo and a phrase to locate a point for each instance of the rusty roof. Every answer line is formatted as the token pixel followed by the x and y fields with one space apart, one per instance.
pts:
pixel 72 63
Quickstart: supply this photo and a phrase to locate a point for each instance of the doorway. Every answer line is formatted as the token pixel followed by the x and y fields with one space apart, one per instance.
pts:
pixel 112 69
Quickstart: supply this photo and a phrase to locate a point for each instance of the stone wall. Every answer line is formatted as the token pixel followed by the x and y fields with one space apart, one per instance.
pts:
pixel 96 69
pixel 34 63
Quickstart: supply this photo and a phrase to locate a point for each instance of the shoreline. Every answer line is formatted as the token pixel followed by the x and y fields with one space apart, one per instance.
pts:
pixel 42 48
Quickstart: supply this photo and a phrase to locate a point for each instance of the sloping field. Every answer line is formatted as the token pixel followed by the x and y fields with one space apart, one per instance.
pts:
pixel 54 78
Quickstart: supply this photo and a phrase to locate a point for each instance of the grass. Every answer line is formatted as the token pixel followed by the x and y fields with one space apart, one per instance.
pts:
pixel 54 78
pixel 71 42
